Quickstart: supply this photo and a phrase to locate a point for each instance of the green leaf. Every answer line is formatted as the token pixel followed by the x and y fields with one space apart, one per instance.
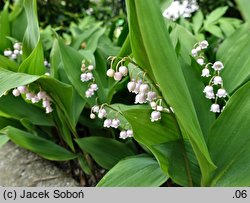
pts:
pixel 167 71
pixel 197 21
pixel 32 46
pixel 213 17
pixel 4 28
pixel 3 140
pixel 17 108
pixel 137 171
pixel 38 145
pixel 234 53
pixel 244 8
pixel 105 151
pixel 84 36
pixel 8 64
pixel 164 141
pixel 11 80
pixel 229 142
pixel 214 30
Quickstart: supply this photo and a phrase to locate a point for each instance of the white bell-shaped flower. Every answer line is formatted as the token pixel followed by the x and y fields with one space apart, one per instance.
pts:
pixel 130 133
pixel 215 108
pixel 118 76
pixel 123 134
pixel 217 80
pixel 203 44
pixel 140 98
pixel 200 61
pixel 22 89
pixel 194 52
pixel 102 113
pixel 94 87
pixel 205 72
pixel 131 86
pixel 218 65
pixel 155 116
pixel 107 123
pixel 221 93
pixel 151 96
pixel 210 95
pixel 208 88
pixel 95 109
pixel 144 88
pixel 115 123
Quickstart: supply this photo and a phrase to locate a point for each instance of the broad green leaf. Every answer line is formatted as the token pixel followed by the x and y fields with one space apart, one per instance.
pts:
pixel 3 140
pixel 163 140
pixel 60 92
pixel 44 148
pixel 197 21
pixel 72 61
pixel 4 122
pixel 214 30
pixel 34 63
pixel 92 41
pixel 229 142
pixel 213 17
pixel 4 28
pixel 32 46
pixel 234 53
pixel 8 64
pixel 11 80
pixel 244 8
pixel 168 74
pixel 136 42
pixel 18 21
pixel 105 151
pixel 226 27
pixel 137 171
pixel 84 36
pixel 17 108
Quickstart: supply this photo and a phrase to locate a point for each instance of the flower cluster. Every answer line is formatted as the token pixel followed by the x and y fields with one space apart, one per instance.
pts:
pixel 34 98
pixel 122 71
pixel 13 54
pixel 178 9
pixel 211 70
pixel 101 113
pixel 87 76
pixel 142 90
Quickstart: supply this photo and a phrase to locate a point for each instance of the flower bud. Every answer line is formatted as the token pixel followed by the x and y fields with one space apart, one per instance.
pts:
pixel 92 116
pixel 118 76
pixel 123 70
pixel 110 73
pixel 200 61
pixel 90 67
pixel 95 109
pixel 130 133
pixel 16 92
